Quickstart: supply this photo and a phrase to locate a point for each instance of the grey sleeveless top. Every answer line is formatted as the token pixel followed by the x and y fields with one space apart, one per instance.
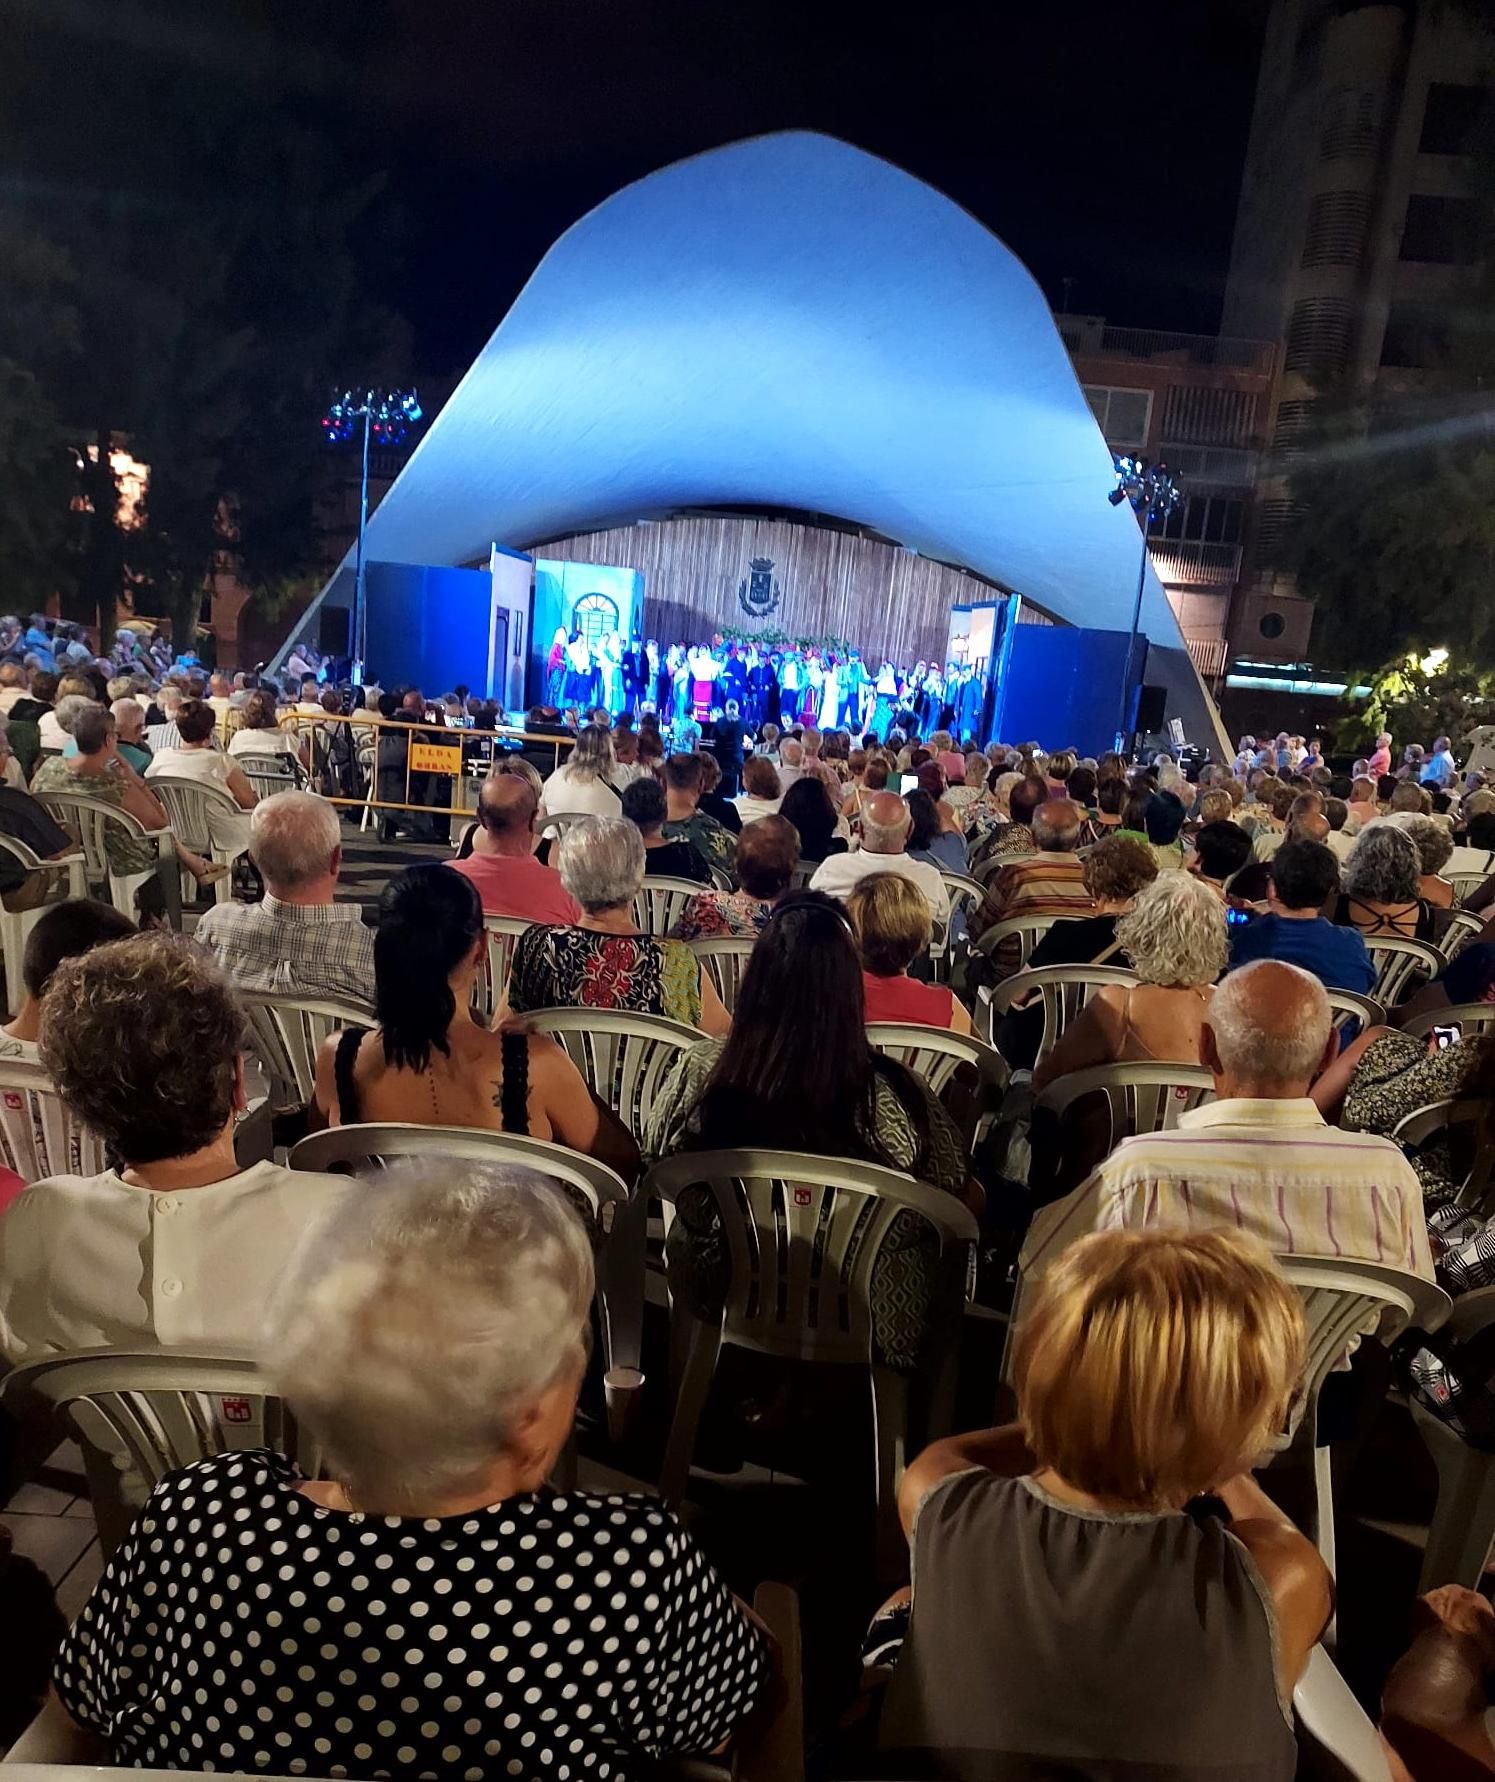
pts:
pixel 1048 1642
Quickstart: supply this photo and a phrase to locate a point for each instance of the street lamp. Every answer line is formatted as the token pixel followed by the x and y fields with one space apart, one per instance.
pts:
pixel 388 416
pixel 1153 494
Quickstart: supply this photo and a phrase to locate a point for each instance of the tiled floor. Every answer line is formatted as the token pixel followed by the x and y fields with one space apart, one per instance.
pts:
pixel 51 1523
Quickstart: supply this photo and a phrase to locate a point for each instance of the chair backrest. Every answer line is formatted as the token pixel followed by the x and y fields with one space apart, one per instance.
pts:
pixel 1349 1006
pixel 935 1053
pixel 501 933
pixel 1139 1097
pixel 1063 989
pixel 269 774
pixel 1471 1145
pixel 1460 927
pixel 802 1236
pixel 963 891
pixel 88 820
pixel 39 1136
pixel 660 903
pixel 1009 942
pixel 1464 883
pixel 288 1033
pixel 802 873
pixel 624 1058
pixel 1400 965
pixel 556 825
pixel 372 1145
pixel 1471 1017
pixel 163 1408
pixel 725 958
pixel 188 803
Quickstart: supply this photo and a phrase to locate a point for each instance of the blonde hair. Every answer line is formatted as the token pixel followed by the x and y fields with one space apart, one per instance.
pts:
pixel 1154 1365
pixel 1062 763
pixel 592 756
pixel 889 916
pixel 1175 932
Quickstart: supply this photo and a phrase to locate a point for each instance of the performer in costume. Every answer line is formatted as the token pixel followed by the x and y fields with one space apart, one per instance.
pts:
pixel 886 699
pixel 680 679
pixel 772 697
pixel 968 704
pixel 635 675
pixel 853 693
pixel 610 667
pixel 578 671
pixel 789 685
pixel 555 669
pixel 704 670
pixel 757 688
pixel 809 693
pixel 830 696
pixel 732 683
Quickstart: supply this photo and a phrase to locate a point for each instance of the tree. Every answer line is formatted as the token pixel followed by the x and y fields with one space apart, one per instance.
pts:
pixel 1417 697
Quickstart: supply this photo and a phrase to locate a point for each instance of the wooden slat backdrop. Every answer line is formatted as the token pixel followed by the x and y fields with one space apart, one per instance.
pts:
pixel 887 601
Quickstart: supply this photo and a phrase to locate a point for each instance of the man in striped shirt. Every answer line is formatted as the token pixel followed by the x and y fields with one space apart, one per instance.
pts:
pixel 1260 1155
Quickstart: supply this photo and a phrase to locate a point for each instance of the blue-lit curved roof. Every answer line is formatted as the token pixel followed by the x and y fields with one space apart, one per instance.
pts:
pixel 788 322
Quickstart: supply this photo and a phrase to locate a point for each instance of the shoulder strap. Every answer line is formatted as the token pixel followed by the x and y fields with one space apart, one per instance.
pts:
pixel 513 1093
pixel 348 1042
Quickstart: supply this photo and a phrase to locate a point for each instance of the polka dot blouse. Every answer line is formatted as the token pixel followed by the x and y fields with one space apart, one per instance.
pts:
pixel 242 1627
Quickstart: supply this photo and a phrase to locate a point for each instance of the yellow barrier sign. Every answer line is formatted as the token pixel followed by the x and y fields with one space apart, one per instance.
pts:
pixel 435 757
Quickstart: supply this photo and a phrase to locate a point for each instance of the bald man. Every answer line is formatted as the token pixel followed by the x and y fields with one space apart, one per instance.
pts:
pixel 886 821
pixel 1260 1155
pixel 510 881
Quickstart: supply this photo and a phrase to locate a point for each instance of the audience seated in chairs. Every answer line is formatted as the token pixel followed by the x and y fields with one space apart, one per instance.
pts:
pixel 129 730
pixel 510 881
pixel 797 1074
pixel 197 757
pixel 890 920
pixel 1221 849
pixel 177 1245
pixel 24 820
pixel 1260 1155
pixel 762 793
pixel 645 807
pixel 886 824
pixel 606 961
pixel 433 1344
pixel 428 1061
pixel 1163 820
pixel 684 783
pixel 934 836
pixel 767 854
pixel 810 808
pixel 298 941
pixel 1049 882
pixel 1434 842
pixel 582 784
pixel 1381 876
pixel 715 804
pixel 66 931
pixel 1152 1371
pixel 1174 939
pixel 260 733
pixel 100 772
pixel 1303 877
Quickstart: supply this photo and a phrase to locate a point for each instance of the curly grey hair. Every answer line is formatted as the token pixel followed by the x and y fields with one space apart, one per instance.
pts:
pixel 602 862
pixel 1383 866
pixel 434 1309
pixel 1432 839
pixel 1175 932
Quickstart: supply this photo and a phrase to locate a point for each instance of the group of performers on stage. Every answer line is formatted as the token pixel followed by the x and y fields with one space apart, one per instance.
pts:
pixel 689 682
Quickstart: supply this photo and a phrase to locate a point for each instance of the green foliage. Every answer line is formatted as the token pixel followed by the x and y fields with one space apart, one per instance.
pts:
pixel 772 638
pixel 1417 703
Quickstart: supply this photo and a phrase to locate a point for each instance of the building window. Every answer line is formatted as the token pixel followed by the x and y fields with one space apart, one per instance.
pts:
pixel 1124 415
pixel 1205 519
pixel 1416 338
pixel 594 615
pixel 1451 118
pixel 1439 231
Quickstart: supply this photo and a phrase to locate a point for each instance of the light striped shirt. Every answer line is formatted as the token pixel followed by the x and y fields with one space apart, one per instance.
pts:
pixel 1274 1168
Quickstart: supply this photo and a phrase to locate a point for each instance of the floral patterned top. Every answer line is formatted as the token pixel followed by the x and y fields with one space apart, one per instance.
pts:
pixel 715 915
pixel 575 968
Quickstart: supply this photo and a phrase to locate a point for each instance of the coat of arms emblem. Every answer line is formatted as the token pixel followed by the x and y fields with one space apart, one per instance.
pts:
pixel 758 593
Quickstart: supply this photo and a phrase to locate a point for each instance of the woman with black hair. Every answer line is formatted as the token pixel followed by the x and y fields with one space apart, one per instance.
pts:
pixel 796 1073
pixel 429 1062
pixel 809 807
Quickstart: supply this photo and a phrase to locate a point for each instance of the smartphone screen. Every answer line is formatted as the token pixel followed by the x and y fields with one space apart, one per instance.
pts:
pixel 1446 1036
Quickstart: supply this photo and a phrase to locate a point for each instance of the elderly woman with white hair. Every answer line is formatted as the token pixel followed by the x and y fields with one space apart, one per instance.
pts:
pixel 1381 877
pixel 582 785
pixel 607 961
pixel 1174 938
pixel 1433 839
pixel 428 1606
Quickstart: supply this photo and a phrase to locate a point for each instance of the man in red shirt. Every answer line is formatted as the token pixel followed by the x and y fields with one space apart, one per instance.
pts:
pixel 510 881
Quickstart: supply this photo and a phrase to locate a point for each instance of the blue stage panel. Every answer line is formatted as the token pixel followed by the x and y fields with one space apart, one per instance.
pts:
pixel 430 627
pixel 1063 687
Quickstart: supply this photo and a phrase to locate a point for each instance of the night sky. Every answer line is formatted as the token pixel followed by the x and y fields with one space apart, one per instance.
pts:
pixel 1102 142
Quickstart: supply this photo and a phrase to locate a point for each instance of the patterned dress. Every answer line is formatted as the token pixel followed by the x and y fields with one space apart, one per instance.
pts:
pixel 575 968
pixel 716 915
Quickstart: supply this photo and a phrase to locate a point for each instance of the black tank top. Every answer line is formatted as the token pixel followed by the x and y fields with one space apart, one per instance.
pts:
pixel 513 1092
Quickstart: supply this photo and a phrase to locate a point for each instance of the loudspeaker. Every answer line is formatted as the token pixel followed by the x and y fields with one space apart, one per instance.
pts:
pixel 1152 703
pixel 332 632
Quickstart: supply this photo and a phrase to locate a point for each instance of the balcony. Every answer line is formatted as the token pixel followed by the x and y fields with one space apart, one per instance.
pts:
pixel 1183 563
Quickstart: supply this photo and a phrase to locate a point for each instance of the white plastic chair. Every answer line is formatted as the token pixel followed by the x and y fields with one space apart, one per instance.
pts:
pixel 803 872
pixel 68 878
pixel 1466 1118
pixel 1463 1526
pixel 39 1136
pixel 1332 1718
pixel 288 1033
pixel 1063 989
pixel 89 820
pixel 725 958
pixel 189 804
pixel 1461 927
pixel 269 774
pixel 371 1145
pixel 1139 1097
pixel 554 827
pixel 1016 937
pixel 162 1408
pixel 1400 966
pixel 802 1237
pixel 624 1058
pixel 1349 1006
pixel 660 903
pixel 1465 884
pixel 501 934
pixel 1473 1017
pixel 965 894
pixel 1343 1300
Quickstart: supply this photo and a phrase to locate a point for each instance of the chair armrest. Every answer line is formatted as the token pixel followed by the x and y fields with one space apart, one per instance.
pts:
pixel 1472 1313
pixel 773 1748
pixel 1329 1713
